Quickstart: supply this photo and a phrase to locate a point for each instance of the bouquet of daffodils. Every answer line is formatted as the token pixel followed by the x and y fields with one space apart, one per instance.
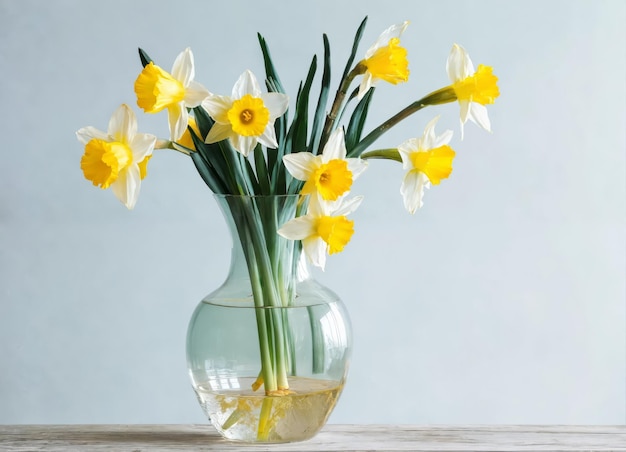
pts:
pixel 247 146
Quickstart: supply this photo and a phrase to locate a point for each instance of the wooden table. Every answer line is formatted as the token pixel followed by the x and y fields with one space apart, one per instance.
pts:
pixel 135 438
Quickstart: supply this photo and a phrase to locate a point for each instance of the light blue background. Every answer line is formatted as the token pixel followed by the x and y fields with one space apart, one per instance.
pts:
pixel 501 301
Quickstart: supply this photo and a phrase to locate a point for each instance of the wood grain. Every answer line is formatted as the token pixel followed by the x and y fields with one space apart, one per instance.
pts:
pixel 136 438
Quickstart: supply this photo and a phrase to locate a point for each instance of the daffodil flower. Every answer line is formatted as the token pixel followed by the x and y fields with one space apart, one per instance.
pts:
pixel 324 229
pixel 330 174
pixel 473 89
pixel 247 117
pixel 385 60
pixel 428 159
pixel 157 89
pixel 119 157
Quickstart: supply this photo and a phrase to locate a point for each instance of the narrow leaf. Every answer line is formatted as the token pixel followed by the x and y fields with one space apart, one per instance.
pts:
pixel 355 46
pixel 143 56
pixel 357 121
pixel 320 111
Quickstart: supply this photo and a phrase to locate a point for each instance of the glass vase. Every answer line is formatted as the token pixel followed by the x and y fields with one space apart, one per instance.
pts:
pixel 268 351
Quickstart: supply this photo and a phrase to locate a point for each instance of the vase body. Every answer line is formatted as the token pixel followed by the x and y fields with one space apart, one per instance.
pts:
pixel 268 351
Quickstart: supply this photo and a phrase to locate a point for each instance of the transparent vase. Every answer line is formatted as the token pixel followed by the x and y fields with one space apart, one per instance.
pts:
pixel 268 351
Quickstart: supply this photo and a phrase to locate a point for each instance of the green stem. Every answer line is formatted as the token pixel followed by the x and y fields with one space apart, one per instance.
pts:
pixel 338 102
pixel 267 369
pixel 441 96
pixel 264 261
pixel 385 154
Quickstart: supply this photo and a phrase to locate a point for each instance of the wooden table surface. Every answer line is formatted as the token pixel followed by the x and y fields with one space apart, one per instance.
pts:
pixel 135 438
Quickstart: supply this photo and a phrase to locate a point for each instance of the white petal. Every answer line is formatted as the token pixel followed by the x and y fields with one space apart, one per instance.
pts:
pixel 195 93
pixel 392 32
pixel 123 124
pixel 367 82
pixel 335 147
pixel 443 139
pixel 299 228
pixel 478 114
pixel 405 149
pixel 218 132
pixel 318 206
pixel 412 190
pixel 86 134
pixel 142 145
pixel 177 117
pixel 268 138
pixel 245 145
pixel 247 84
pixel 459 65
pixel 301 164
pixel 217 107
pixel 356 167
pixel 465 110
pixel 428 139
pixel 276 103
pixel 126 186
pixel 315 249
pixel 348 206
pixel 183 69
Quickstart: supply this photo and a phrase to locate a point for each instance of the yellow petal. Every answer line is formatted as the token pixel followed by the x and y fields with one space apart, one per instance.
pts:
pixel 480 87
pixel 389 63
pixel 143 167
pixel 248 116
pixel 156 89
pixel 330 180
pixel 186 139
pixel 103 161
pixel 335 231
pixel 435 163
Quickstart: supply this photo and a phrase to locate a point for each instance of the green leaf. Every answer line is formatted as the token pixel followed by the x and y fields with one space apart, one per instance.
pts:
pixel 215 156
pixel 261 170
pixel 355 46
pixel 143 56
pixel 270 70
pixel 320 111
pixel 247 175
pixel 203 120
pixel 274 157
pixel 207 173
pixel 299 126
pixel 357 121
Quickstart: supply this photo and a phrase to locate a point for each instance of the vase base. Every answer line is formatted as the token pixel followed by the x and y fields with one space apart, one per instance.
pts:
pixel 240 414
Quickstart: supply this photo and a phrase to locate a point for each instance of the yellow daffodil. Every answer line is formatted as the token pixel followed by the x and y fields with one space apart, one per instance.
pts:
pixel 473 89
pixel 324 229
pixel 330 174
pixel 385 60
pixel 157 89
pixel 247 117
pixel 119 157
pixel 428 159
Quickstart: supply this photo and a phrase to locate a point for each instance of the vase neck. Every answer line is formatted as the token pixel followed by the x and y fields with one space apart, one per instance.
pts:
pixel 271 264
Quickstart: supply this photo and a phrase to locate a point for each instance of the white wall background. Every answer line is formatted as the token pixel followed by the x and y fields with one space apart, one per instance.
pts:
pixel 502 301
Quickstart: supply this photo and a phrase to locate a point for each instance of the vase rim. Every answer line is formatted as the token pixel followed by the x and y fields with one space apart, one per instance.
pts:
pixel 229 195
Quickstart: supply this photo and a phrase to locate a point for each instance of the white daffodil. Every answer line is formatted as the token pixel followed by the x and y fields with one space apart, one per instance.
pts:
pixel 247 117
pixel 428 159
pixel 473 89
pixel 156 89
pixel 330 174
pixel 385 60
pixel 119 157
pixel 324 229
